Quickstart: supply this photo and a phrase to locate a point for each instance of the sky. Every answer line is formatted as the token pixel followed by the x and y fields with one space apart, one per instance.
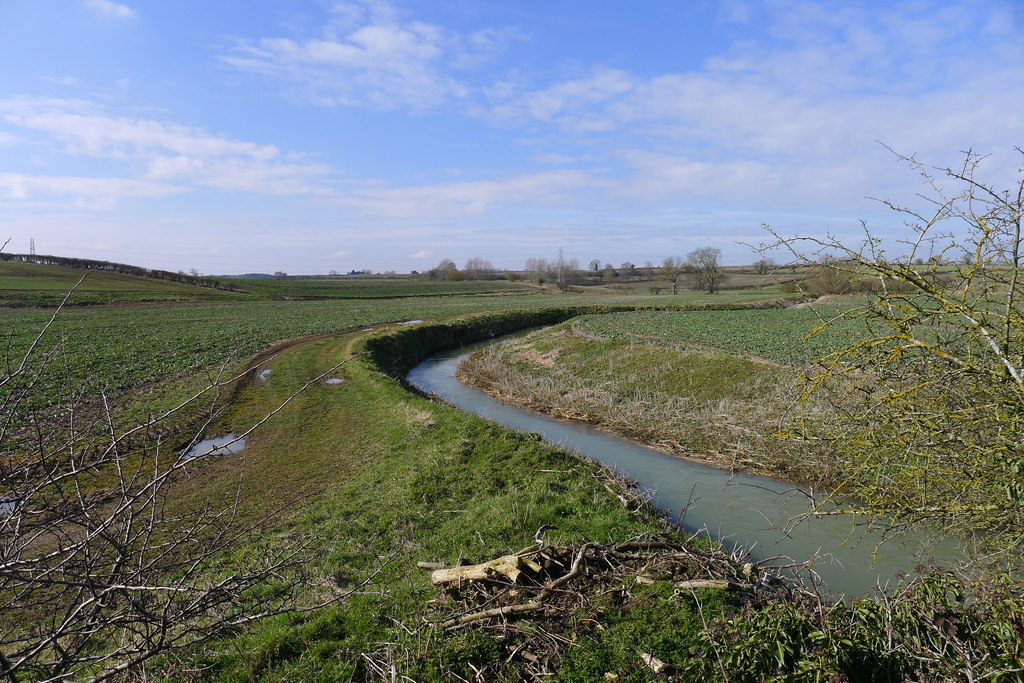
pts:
pixel 309 136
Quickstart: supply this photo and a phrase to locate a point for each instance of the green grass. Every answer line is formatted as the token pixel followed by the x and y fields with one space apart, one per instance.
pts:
pixel 370 288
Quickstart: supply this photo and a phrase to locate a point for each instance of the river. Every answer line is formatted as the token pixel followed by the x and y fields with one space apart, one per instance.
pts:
pixel 755 513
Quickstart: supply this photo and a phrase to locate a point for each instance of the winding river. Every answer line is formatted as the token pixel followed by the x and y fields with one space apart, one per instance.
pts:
pixel 753 512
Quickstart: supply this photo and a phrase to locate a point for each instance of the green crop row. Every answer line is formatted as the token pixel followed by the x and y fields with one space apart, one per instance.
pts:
pixel 780 335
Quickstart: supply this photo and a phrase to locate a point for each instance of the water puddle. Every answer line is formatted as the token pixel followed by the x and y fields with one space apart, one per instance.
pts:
pixel 264 375
pixel 368 329
pixel 334 380
pixel 409 322
pixel 7 506
pixel 224 445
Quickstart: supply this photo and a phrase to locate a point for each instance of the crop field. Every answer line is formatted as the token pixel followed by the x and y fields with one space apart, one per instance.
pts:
pixel 780 335
pixel 30 284
pixel 369 288
pixel 116 348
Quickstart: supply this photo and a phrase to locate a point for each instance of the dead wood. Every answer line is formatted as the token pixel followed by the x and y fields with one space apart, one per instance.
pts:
pixel 541 601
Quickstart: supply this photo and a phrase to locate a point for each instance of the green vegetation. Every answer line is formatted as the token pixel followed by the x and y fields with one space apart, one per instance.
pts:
pixel 779 335
pixel 365 479
pixel 31 284
pixel 708 385
pixel 370 288
pixel 118 348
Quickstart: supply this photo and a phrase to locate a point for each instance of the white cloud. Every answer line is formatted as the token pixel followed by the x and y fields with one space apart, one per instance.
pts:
pixel 567 102
pixel 368 55
pixel 471 198
pixel 165 152
pixel 87 193
pixel 109 10
pixel 422 254
pixel 794 120
pixel 381 63
pixel 341 254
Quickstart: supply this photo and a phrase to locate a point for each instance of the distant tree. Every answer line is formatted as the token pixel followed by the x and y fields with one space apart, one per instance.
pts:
pixel 595 265
pixel 193 272
pixel 627 269
pixel 765 266
pixel 334 273
pixel 280 274
pixel 537 269
pixel 441 270
pixel 672 269
pixel 705 269
pixel 477 267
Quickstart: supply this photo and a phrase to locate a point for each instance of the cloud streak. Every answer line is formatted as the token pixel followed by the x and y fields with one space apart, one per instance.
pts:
pixel 109 10
pixel 161 156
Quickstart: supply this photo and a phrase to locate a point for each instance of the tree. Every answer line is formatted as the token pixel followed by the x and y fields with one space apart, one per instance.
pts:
pixel 928 397
pixel 672 269
pixel 595 265
pixel 764 266
pixel 537 269
pixel 443 269
pixel 476 268
pixel 705 269
pixel 97 574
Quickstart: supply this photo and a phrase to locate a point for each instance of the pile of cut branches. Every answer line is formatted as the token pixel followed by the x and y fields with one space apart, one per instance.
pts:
pixel 539 602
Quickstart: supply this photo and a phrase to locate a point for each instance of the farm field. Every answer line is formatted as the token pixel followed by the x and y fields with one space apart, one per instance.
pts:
pixel 371 288
pixel 35 285
pixel 120 347
pixel 780 335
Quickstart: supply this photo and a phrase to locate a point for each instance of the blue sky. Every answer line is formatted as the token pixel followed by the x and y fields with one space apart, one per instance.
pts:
pixel 237 136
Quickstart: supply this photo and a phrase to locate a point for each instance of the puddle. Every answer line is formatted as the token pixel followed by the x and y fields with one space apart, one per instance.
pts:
pixel 409 322
pixel 7 506
pixel 264 374
pixel 225 445
pixel 368 329
pixel 334 380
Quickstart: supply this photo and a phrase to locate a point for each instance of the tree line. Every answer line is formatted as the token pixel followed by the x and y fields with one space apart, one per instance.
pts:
pixel 700 269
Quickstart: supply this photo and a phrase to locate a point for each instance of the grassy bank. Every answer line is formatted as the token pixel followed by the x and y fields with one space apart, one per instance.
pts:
pixel 708 385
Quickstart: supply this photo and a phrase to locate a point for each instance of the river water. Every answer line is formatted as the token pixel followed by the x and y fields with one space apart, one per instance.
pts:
pixel 753 512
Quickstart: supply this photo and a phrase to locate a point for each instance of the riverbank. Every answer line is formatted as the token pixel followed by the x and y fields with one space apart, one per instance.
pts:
pixel 674 395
